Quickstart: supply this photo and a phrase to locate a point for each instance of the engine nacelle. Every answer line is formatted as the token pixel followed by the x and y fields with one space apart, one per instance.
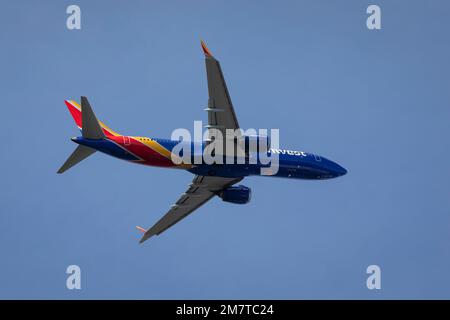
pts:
pixel 236 194
pixel 255 143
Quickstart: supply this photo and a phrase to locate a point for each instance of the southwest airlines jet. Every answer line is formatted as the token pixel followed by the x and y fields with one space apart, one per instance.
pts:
pixel 210 179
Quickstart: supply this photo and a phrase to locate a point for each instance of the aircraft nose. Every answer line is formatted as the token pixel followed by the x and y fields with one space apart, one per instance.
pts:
pixel 338 170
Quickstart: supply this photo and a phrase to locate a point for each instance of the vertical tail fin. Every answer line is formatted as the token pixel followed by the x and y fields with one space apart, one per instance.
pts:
pixel 90 129
pixel 76 111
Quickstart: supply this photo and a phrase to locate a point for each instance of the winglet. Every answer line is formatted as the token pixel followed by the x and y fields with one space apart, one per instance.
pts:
pixel 206 50
pixel 141 229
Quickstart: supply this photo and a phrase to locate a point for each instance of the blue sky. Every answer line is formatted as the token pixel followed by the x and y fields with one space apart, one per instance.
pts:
pixel 376 102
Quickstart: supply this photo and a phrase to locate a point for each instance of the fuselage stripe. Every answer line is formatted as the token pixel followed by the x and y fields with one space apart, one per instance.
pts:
pixel 125 149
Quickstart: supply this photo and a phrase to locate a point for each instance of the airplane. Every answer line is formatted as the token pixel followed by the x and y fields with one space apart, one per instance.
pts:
pixel 210 179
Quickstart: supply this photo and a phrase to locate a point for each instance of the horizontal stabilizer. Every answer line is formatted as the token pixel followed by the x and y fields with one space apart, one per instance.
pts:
pixel 80 153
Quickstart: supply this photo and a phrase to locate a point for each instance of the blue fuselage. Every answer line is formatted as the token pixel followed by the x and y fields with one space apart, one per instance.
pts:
pixel 291 164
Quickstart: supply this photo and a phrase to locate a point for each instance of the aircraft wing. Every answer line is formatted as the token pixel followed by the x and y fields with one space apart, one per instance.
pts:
pixel 221 113
pixel 199 192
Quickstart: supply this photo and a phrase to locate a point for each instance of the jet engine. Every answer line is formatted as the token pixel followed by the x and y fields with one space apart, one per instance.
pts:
pixel 236 194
